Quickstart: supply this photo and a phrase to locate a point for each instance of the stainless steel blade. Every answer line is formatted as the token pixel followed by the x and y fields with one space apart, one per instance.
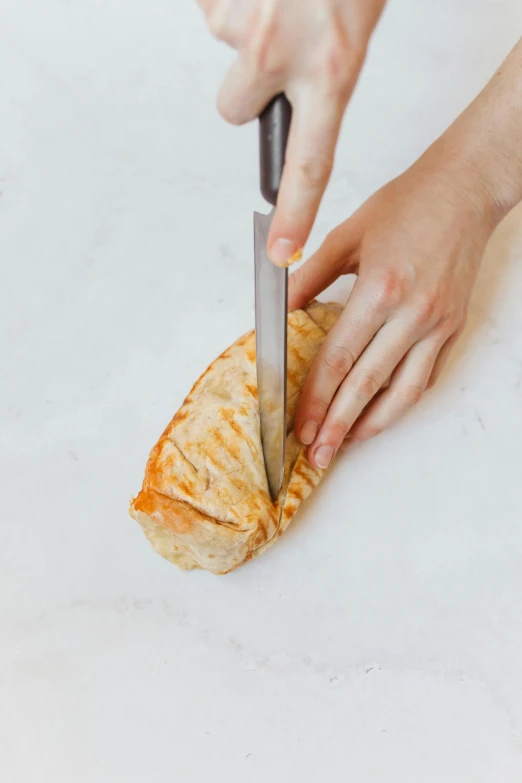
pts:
pixel 271 337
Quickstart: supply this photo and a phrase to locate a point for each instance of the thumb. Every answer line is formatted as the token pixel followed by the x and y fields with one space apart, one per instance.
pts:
pixel 335 257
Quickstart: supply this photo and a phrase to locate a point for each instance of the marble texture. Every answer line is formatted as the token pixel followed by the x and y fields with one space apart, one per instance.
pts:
pixel 381 639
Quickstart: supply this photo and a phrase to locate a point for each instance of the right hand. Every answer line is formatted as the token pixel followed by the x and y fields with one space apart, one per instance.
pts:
pixel 313 51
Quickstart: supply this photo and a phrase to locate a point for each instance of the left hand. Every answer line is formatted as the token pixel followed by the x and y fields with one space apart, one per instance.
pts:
pixel 416 246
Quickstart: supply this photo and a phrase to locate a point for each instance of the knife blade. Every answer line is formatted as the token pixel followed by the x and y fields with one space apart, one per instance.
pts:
pixel 271 299
pixel 271 292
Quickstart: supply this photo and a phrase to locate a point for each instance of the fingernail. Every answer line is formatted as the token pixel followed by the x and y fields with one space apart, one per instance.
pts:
pixel 282 251
pixel 323 456
pixel 308 432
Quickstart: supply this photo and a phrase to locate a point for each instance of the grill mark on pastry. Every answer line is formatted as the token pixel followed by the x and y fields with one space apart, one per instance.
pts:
pixel 290 510
pixel 217 464
pixel 286 484
pixel 294 377
pixel 240 431
pixel 262 534
pixel 243 340
pixel 297 355
pixel 186 486
pixel 234 451
pixel 229 417
pixel 251 389
pixel 156 451
pixel 250 354
pixel 210 368
pixel 304 475
pixel 298 328
pixel 267 539
pixel 231 448
pixel 219 438
pixel 281 502
pixel 295 492
pixel 237 429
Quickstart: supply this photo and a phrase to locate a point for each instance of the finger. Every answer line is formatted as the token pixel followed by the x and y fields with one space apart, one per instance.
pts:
pixel 316 121
pixel 323 268
pixel 207 6
pixel 407 385
pixel 359 323
pixel 225 19
pixel 360 386
pixel 245 92
pixel 442 358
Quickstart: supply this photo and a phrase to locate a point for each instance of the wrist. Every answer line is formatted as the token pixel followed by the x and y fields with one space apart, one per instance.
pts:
pixel 488 169
pixel 474 175
pixel 482 147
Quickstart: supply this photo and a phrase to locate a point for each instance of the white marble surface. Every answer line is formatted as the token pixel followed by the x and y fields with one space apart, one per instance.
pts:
pixel 381 639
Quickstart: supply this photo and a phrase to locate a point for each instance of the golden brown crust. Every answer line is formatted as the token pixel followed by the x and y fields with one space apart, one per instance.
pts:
pixel 205 501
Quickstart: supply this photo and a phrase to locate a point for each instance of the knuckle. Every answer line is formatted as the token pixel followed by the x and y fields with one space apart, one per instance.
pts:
pixel 339 360
pixel 461 326
pixel 337 67
pixel 336 433
pixel 388 290
pixel 340 59
pixel 313 171
pixel 450 326
pixel 367 384
pixel 411 395
pixel 425 312
pixel 267 57
pixel 453 323
pixel 366 431
pixel 316 407
pixel 269 62
pixel 216 20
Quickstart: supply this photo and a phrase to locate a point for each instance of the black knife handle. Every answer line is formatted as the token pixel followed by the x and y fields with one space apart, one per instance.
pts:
pixel 274 126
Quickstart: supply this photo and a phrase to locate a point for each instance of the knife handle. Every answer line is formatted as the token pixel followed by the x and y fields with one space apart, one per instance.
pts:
pixel 274 126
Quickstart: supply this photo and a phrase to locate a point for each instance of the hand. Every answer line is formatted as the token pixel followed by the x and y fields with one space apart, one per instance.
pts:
pixel 313 51
pixel 416 246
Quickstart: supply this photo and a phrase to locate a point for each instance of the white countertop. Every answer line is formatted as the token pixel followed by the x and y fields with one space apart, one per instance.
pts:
pixel 381 639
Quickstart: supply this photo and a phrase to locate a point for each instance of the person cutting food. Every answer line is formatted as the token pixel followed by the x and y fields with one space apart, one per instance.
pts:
pixel 415 245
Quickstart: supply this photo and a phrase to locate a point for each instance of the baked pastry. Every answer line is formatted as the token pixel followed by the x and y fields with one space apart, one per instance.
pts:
pixel 205 501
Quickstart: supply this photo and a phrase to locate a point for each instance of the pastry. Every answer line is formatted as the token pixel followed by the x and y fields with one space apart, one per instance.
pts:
pixel 205 501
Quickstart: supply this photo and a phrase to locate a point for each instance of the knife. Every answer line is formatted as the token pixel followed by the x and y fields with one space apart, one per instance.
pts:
pixel 271 296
